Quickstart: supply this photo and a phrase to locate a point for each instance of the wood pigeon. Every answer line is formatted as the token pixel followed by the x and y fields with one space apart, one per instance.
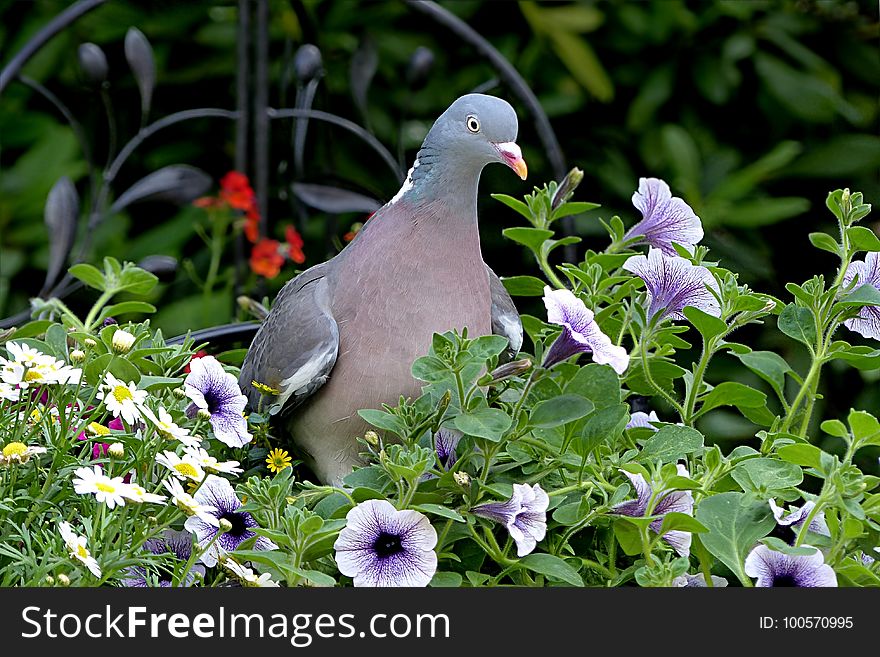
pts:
pixel 343 335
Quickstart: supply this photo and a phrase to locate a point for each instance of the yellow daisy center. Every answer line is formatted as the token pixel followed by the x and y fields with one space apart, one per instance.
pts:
pixel 186 470
pixel 15 449
pixel 277 460
pixel 105 488
pixel 122 394
pixel 33 375
pixel 81 552
pixel 98 429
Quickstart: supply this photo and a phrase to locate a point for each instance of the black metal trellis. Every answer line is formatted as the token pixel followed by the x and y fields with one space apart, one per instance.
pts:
pixel 253 116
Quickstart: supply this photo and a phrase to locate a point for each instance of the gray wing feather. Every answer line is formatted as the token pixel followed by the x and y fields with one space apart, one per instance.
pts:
pixel 505 317
pixel 296 346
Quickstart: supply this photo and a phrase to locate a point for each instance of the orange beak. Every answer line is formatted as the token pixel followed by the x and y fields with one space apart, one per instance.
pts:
pixel 512 156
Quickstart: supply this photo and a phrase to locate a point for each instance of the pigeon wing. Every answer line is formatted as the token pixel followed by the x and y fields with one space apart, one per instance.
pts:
pixel 505 317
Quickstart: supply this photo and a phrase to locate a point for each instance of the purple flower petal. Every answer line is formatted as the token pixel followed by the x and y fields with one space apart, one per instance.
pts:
pixel 674 283
pixel 867 272
pixel 665 218
pixel 580 333
pixel 777 569
pixel 640 419
pixel 798 515
pixel 524 515
pixel 215 390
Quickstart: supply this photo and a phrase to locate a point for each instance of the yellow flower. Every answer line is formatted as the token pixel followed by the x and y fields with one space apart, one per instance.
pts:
pixel 277 460
pixel 265 389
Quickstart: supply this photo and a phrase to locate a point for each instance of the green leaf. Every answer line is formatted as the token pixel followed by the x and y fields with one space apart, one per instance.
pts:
pixel 797 322
pixel 769 366
pixel 863 239
pixel 430 369
pixel 734 525
pixel 670 443
pixel 602 426
pixel 384 420
pixel 89 275
pixel 864 295
pixel 825 242
pixel 523 286
pixel 865 427
pixel 533 238
pixel 488 423
pixel 514 204
pixel 438 510
pixel 31 329
pixel 547 564
pixel 136 281
pixel 860 357
pixel 572 207
pixel 581 61
pixel 445 580
pixel 159 382
pixel 764 475
pixel 559 410
pixel 487 346
pixel 675 521
pixel 316 577
pixel 118 367
pixel 56 338
pixel 731 393
pixel 126 307
pixel 834 428
pixel 598 383
pixel 708 325
pixel 801 454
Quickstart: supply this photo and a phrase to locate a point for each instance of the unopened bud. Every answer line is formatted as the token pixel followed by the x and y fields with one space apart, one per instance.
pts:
pixel 769 306
pixel 506 371
pixel 179 392
pixel 77 356
pixel 50 581
pixel 64 580
pixel 93 62
pixel 463 479
pixel 116 450
pixel 204 414
pixel 372 438
pixel 122 341
pixel 566 187
pixel 90 343
pixel 252 307
pixel 225 525
pixel 153 520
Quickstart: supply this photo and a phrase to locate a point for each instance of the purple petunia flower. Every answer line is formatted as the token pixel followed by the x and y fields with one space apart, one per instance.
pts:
pixel 678 501
pixel 779 569
pixel 673 283
pixel 213 389
pixel 665 218
pixel 445 442
pixel 797 516
pixel 177 543
pixel 698 581
pixel 524 515
pixel 381 546
pixel 867 322
pixel 580 333
pixel 218 493
pixel 642 420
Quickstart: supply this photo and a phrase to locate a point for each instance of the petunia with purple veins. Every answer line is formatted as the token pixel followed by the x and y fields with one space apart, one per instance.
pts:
pixel 178 545
pixel 677 501
pixel 218 493
pixel 777 569
pixel 383 547
pixel 797 516
pixel 665 218
pixel 642 420
pixel 673 283
pixel 445 443
pixel 216 391
pixel 865 272
pixel 524 515
pixel 580 333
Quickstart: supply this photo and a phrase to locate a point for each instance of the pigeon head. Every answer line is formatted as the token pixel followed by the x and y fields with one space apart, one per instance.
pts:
pixel 474 131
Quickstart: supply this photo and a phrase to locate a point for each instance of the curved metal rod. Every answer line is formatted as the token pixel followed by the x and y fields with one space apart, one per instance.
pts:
pixel 508 74
pixel 223 334
pixel 342 123
pixel 54 26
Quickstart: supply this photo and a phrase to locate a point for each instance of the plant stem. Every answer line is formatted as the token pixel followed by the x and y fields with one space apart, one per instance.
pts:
pixel 807 386
pixel 697 382
pixel 106 295
pixel 650 379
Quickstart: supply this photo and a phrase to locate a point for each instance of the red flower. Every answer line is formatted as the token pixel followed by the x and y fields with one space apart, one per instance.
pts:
pixel 266 260
pixel 294 245
pixel 252 228
pixel 236 190
pixel 201 353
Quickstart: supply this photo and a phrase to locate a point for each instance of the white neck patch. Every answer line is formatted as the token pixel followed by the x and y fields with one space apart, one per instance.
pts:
pixel 407 184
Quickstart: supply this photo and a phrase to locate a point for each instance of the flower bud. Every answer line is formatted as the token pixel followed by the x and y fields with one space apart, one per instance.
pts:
pixel 50 581
pixel 90 343
pixel 122 341
pixel 64 580
pixel 502 372
pixel 109 321
pixel 566 187
pixel 372 438
pixel 225 525
pixel 93 62
pixel 77 356
pixel 179 392
pixel 116 450
pixel 204 414
pixel 769 306
pixel 462 478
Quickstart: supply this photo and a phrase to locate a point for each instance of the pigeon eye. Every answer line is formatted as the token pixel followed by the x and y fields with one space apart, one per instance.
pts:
pixel 473 123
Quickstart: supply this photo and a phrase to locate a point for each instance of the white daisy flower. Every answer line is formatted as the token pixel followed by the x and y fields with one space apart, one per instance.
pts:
pixel 28 356
pixel 122 398
pixel 182 468
pixel 248 577
pixel 16 452
pixel 76 545
pixel 211 464
pixel 111 492
pixel 8 392
pixel 187 503
pixel 166 427
pixel 137 493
